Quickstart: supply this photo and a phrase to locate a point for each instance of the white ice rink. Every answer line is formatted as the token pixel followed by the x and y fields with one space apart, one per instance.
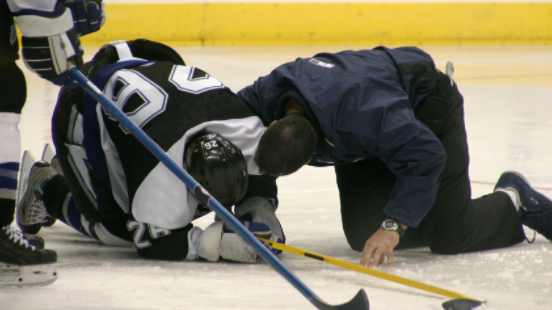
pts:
pixel 508 107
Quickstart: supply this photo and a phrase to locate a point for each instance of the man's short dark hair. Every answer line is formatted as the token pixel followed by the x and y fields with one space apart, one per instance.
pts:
pixel 286 146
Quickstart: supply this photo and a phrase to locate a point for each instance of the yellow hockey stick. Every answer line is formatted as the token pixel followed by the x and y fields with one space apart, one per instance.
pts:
pixel 373 272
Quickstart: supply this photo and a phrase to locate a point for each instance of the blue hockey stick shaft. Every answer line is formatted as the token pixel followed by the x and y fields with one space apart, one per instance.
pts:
pixel 359 302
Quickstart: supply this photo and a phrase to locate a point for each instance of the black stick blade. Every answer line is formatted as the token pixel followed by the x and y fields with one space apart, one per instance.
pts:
pixel 461 304
pixel 359 302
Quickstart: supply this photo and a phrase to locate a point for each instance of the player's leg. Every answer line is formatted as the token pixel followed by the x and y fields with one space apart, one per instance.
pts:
pixel 13 93
pixel 61 204
pixel 456 223
pixel 65 196
pixel 21 262
pixel 44 194
pixel 364 189
pixel 47 195
pixel 45 191
pixel 535 209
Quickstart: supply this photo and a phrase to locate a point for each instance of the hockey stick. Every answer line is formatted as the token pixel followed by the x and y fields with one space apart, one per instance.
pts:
pixel 359 302
pixel 461 302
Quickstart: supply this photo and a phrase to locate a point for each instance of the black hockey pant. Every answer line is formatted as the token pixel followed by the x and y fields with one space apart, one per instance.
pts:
pixel 70 208
pixel 456 223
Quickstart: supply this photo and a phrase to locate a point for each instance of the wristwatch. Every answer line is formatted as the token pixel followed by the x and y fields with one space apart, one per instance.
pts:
pixel 390 224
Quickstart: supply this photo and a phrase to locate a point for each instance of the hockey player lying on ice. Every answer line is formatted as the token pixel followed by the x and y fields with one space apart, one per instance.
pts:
pixel 106 185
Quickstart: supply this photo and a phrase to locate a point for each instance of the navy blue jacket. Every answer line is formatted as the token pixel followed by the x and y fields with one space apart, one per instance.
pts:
pixel 361 103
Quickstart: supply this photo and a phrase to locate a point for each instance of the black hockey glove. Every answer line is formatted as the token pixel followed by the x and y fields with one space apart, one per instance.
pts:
pixel 88 15
pixel 49 44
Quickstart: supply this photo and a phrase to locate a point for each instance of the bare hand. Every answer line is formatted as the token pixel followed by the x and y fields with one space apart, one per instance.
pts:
pixel 379 246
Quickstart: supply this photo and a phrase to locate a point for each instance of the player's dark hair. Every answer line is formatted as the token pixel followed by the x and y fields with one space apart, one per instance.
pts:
pixel 286 146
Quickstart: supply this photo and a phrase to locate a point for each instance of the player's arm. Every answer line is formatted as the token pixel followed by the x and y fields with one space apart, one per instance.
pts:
pixel 260 203
pixel 409 149
pixel 51 38
pixel 214 243
pixel 416 157
pixel 261 210
pixel 88 15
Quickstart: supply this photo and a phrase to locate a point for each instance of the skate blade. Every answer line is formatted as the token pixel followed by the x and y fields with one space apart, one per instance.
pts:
pixel 48 153
pixel 27 163
pixel 14 276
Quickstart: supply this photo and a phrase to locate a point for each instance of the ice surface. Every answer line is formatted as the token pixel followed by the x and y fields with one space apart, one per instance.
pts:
pixel 508 106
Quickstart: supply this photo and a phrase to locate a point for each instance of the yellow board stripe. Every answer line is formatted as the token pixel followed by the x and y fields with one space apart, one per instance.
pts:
pixel 329 23
pixel 369 271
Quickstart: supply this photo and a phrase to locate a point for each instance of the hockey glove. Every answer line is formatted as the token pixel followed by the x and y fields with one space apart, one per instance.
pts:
pixel 88 15
pixel 262 230
pixel 218 242
pixel 261 210
pixel 49 44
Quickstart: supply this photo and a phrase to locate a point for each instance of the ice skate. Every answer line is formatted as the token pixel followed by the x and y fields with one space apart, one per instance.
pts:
pixel 23 264
pixel 49 156
pixel 31 211
pixel 37 241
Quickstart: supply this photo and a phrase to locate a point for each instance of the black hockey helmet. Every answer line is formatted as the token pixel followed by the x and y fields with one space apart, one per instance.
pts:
pixel 219 166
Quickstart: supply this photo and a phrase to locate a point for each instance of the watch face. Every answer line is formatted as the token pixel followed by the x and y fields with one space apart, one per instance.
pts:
pixel 389 224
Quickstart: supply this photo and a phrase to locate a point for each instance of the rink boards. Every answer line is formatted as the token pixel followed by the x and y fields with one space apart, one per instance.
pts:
pixel 209 23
